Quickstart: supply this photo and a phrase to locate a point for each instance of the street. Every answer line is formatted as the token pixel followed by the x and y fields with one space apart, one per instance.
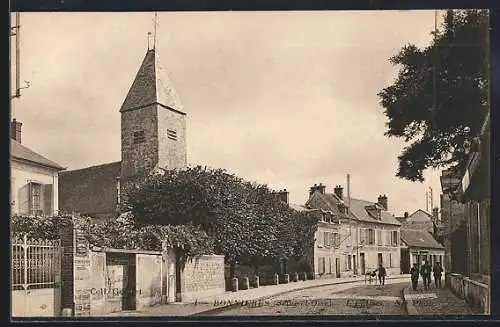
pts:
pixel 342 299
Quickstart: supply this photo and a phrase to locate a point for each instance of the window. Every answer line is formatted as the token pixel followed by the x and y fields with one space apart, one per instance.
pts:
pixel 390 260
pixel 379 237
pixel 327 238
pixel 329 265
pixel 172 134
pixel 371 236
pixel 394 240
pixel 35 198
pixel 336 240
pixel 388 238
pixel 320 239
pixel 349 262
pixel 139 137
pixel 380 260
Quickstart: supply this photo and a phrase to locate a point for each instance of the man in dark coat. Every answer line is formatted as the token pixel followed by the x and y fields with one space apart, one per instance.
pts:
pixel 415 273
pixel 381 275
pixel 438 272
pixel 426 271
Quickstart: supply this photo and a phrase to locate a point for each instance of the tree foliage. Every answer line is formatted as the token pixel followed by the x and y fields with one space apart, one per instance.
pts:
pixel 246 221
pixel 440 97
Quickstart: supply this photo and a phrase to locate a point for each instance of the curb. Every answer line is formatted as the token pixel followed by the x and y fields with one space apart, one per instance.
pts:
pixel 409 307
pixel 234 305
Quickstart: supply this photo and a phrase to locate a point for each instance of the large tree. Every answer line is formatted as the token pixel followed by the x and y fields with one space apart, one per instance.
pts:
pixel 440 97
pixel 247 222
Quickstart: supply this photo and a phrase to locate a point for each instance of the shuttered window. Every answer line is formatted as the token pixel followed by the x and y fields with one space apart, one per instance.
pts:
pixel 379 237
pixel 319 241
pixel 48 208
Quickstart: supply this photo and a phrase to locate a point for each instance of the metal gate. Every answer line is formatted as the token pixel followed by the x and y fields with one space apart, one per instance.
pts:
pixel 35 277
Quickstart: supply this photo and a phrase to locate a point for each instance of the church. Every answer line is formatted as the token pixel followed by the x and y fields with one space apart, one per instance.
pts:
pixel 153 136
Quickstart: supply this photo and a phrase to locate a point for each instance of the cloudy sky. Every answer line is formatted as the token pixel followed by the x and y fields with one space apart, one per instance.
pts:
pixel 283 98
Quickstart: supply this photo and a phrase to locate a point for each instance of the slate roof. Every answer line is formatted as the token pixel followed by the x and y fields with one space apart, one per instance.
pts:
pixel 298 207
pixel 420 215
pixel 419 239
pixel 90 190
pixel 330 201
pixel 151 85
pixel 19 151
pixel 358 209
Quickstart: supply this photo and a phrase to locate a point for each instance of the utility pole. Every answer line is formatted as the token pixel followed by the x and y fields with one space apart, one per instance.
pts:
pixel 16 33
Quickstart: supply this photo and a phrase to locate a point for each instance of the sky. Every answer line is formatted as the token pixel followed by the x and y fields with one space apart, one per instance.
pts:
pixel 287 99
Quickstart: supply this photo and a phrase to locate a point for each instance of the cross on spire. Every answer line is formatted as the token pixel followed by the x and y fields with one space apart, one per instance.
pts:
pixel 155 24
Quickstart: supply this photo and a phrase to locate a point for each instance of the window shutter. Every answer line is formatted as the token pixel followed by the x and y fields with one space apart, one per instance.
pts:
pixel 24 199
pixel 319 241
pixel 47 199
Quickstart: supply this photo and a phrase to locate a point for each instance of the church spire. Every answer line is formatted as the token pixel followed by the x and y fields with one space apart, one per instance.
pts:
pixel 151 85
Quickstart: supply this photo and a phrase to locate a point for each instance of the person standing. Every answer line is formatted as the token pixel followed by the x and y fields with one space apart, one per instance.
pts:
pixel 381 275
pixel 438 272
pixel 425 271
pixel 415 273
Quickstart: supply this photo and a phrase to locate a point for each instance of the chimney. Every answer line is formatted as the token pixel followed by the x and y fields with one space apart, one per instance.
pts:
pixel 382 200
pixel 283 195
pixel 435 214
pixel 320 188
pixel 15 130
pixel 339 191
pixel 407 214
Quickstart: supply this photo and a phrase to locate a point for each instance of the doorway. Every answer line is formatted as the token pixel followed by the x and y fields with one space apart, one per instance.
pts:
pixel 178 284
pixel 362 263
pixel 354 264
pixel 380 259
pixel 337 267
pixel 121 280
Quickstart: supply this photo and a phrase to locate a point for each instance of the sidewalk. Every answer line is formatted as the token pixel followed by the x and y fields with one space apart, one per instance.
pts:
pixel 228 299
pixel 435 302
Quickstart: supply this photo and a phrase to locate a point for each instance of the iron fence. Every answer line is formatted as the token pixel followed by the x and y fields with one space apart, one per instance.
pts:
pixel 35 263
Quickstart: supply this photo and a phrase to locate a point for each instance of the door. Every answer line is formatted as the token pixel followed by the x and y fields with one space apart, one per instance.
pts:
pixel 337 267
pixel 362 263
pixel 380 261
pixel 129 294
pixel 354 265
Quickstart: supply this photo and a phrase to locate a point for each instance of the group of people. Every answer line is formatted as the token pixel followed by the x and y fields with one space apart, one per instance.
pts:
pixel 425 271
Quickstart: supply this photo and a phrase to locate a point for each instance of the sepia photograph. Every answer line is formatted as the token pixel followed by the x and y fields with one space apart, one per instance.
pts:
pixel 250 163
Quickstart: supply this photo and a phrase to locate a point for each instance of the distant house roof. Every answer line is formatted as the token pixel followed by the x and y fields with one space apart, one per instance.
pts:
pixel 420 215
pixel 298 207
pixel 19 151
pixel 357 209
pixel 419 239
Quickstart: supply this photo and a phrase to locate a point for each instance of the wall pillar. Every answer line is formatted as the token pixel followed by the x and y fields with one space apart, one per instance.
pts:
pixel 75 271
pixel 168 271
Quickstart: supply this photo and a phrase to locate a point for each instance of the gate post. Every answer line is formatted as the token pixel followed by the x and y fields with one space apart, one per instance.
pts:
pixel 75 271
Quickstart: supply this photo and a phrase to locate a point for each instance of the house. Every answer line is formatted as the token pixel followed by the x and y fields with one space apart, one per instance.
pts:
pixel 368 233
pixel 471 231
pixel 33 178
pixel 422 220
pixel 418 245
pixel 153 137
pixel 322 260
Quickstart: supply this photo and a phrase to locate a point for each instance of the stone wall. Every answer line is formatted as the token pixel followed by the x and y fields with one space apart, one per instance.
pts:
pixel 172 151
pixel 141 157
pixel 477 294
pixel 203 277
